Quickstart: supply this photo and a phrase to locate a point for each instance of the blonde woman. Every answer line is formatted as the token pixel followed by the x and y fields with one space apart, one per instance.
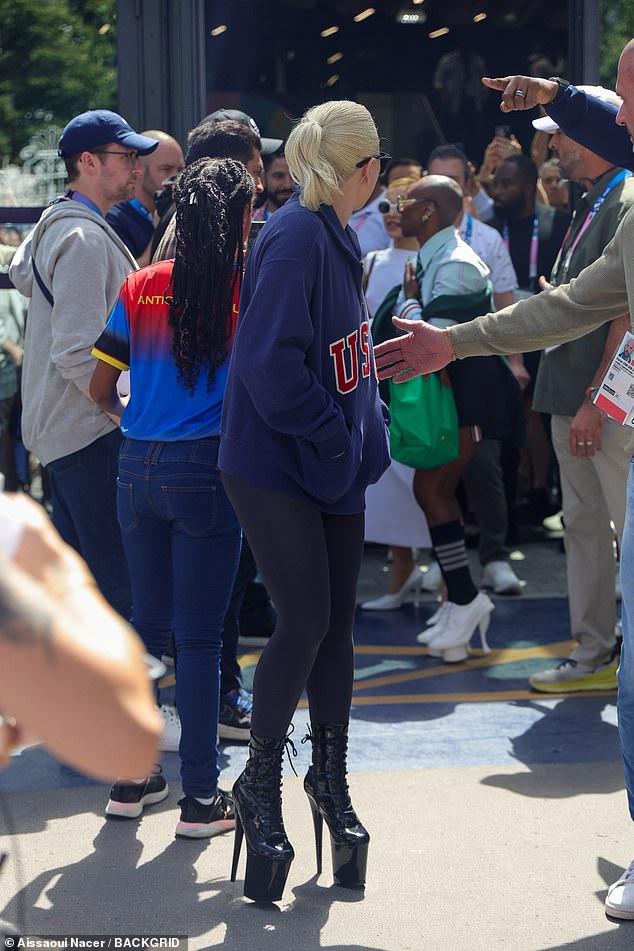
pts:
pixel 303 434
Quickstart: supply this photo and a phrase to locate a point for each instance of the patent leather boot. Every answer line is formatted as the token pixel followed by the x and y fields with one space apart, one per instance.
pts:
pixel 327 790
pixel 257 796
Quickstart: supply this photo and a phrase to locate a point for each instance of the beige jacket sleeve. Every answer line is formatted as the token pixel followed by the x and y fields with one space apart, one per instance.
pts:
pixel 600 293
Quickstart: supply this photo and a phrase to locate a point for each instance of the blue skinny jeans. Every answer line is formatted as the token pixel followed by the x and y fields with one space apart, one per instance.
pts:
pixel 182 543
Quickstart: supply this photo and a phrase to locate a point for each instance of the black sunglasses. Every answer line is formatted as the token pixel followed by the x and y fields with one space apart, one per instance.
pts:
pixel 383 158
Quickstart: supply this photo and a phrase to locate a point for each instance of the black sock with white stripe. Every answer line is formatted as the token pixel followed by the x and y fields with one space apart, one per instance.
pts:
pixel 448 542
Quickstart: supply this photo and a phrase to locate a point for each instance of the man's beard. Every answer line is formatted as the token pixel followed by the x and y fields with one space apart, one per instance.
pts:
pixel 276 199
pixel 124 193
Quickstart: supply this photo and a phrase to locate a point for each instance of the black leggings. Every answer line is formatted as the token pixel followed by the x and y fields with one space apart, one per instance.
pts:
pixel 310 563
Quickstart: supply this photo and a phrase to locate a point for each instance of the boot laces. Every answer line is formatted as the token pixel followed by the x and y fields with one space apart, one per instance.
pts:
pixel 290 748
pixel 333 766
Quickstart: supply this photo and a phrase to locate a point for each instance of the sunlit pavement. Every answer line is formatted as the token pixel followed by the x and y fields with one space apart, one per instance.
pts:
pixel 497 814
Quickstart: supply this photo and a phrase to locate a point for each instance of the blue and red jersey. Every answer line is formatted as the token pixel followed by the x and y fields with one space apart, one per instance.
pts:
pixel 138 337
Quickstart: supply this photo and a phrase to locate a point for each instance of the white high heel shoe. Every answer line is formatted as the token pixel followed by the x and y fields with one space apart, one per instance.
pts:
pixel 458 627
pixel 435 624
pixel 389 602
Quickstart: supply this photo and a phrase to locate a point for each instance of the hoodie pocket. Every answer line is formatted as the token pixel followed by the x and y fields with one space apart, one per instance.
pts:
pixel 328 478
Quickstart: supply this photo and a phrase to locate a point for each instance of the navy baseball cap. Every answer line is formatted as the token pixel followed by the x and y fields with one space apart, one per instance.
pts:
pixel 269 146
pixel 98 127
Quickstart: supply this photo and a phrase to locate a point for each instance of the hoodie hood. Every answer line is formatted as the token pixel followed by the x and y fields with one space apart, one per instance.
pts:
pixel 21 269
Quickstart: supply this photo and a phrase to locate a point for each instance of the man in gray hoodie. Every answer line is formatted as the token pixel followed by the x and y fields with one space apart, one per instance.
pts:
pixel 72 266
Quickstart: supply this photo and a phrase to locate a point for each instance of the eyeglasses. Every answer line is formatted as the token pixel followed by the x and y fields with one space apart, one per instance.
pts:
pixel 131 157
pixel 386 206
pixel 402 203
pixel 382 157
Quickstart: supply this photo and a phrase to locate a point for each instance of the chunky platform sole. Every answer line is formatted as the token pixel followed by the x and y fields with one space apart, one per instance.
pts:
pixel 265 876
pixel 349 859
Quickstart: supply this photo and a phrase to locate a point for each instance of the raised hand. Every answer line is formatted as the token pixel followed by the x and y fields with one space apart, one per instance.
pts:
pixel 522 92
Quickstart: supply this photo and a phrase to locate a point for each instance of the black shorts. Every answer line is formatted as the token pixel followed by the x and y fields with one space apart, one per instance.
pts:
pixel 488 395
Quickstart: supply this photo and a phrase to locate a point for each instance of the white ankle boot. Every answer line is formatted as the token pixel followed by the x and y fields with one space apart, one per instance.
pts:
pixel 459 624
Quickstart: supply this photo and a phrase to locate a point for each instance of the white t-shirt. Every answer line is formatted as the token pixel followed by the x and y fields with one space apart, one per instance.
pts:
pixel 386 269
pixel 489 245
pixel 367 224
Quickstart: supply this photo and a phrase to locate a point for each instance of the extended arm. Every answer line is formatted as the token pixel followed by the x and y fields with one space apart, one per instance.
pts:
pixel 583 118
pixel 597 295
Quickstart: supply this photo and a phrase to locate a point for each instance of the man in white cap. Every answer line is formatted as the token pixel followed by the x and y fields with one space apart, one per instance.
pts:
pixel 72 266
pixel 590 447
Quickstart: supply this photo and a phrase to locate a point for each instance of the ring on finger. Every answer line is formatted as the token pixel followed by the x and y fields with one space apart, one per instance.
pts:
pixel 520 94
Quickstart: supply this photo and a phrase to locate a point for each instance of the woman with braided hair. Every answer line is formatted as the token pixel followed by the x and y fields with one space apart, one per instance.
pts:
pixel 173 327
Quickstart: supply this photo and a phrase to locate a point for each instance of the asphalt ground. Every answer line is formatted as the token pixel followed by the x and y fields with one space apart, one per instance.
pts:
pixel 497 815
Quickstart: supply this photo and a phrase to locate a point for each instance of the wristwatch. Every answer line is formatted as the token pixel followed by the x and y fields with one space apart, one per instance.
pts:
pixel 591 392
pixel 562 83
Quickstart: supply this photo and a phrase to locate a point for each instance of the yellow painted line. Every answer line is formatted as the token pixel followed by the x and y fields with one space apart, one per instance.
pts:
pixel 543 650
pixel 390 650
pixel 489 697
pixel 500 696
pixel 478 659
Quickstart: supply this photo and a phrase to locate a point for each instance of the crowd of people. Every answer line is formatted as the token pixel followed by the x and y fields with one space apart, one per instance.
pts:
pixel 203 395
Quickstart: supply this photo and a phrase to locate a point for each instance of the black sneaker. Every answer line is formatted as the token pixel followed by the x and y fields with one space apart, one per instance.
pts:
pixel 234 722
pixel 199 821
pixel 128 800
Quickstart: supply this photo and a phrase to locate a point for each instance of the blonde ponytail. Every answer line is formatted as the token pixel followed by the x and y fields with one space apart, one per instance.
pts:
pixel 324 147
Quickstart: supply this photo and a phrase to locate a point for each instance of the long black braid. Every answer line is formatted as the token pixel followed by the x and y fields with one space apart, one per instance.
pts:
pixel 210 197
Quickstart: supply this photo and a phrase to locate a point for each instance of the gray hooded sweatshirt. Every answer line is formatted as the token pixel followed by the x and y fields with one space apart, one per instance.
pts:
pixel 83 263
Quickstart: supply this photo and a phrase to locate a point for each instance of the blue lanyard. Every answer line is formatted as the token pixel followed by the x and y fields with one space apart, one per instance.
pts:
pixel 77 196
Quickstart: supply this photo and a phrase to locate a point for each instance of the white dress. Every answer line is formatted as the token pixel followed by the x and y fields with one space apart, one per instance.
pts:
pixel 393 516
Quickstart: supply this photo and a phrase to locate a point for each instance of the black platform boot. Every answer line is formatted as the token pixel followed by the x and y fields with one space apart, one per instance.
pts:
pixel 257 795
pixel 327 790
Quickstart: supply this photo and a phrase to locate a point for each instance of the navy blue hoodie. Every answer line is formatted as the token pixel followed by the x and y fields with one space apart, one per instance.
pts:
pixel 301 411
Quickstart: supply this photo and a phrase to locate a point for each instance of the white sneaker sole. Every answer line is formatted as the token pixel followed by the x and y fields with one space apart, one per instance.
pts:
pixel 204 830
pixel 615 912
pixel 132 810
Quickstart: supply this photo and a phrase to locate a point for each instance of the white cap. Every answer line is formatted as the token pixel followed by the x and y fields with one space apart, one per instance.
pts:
pixel 546 124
